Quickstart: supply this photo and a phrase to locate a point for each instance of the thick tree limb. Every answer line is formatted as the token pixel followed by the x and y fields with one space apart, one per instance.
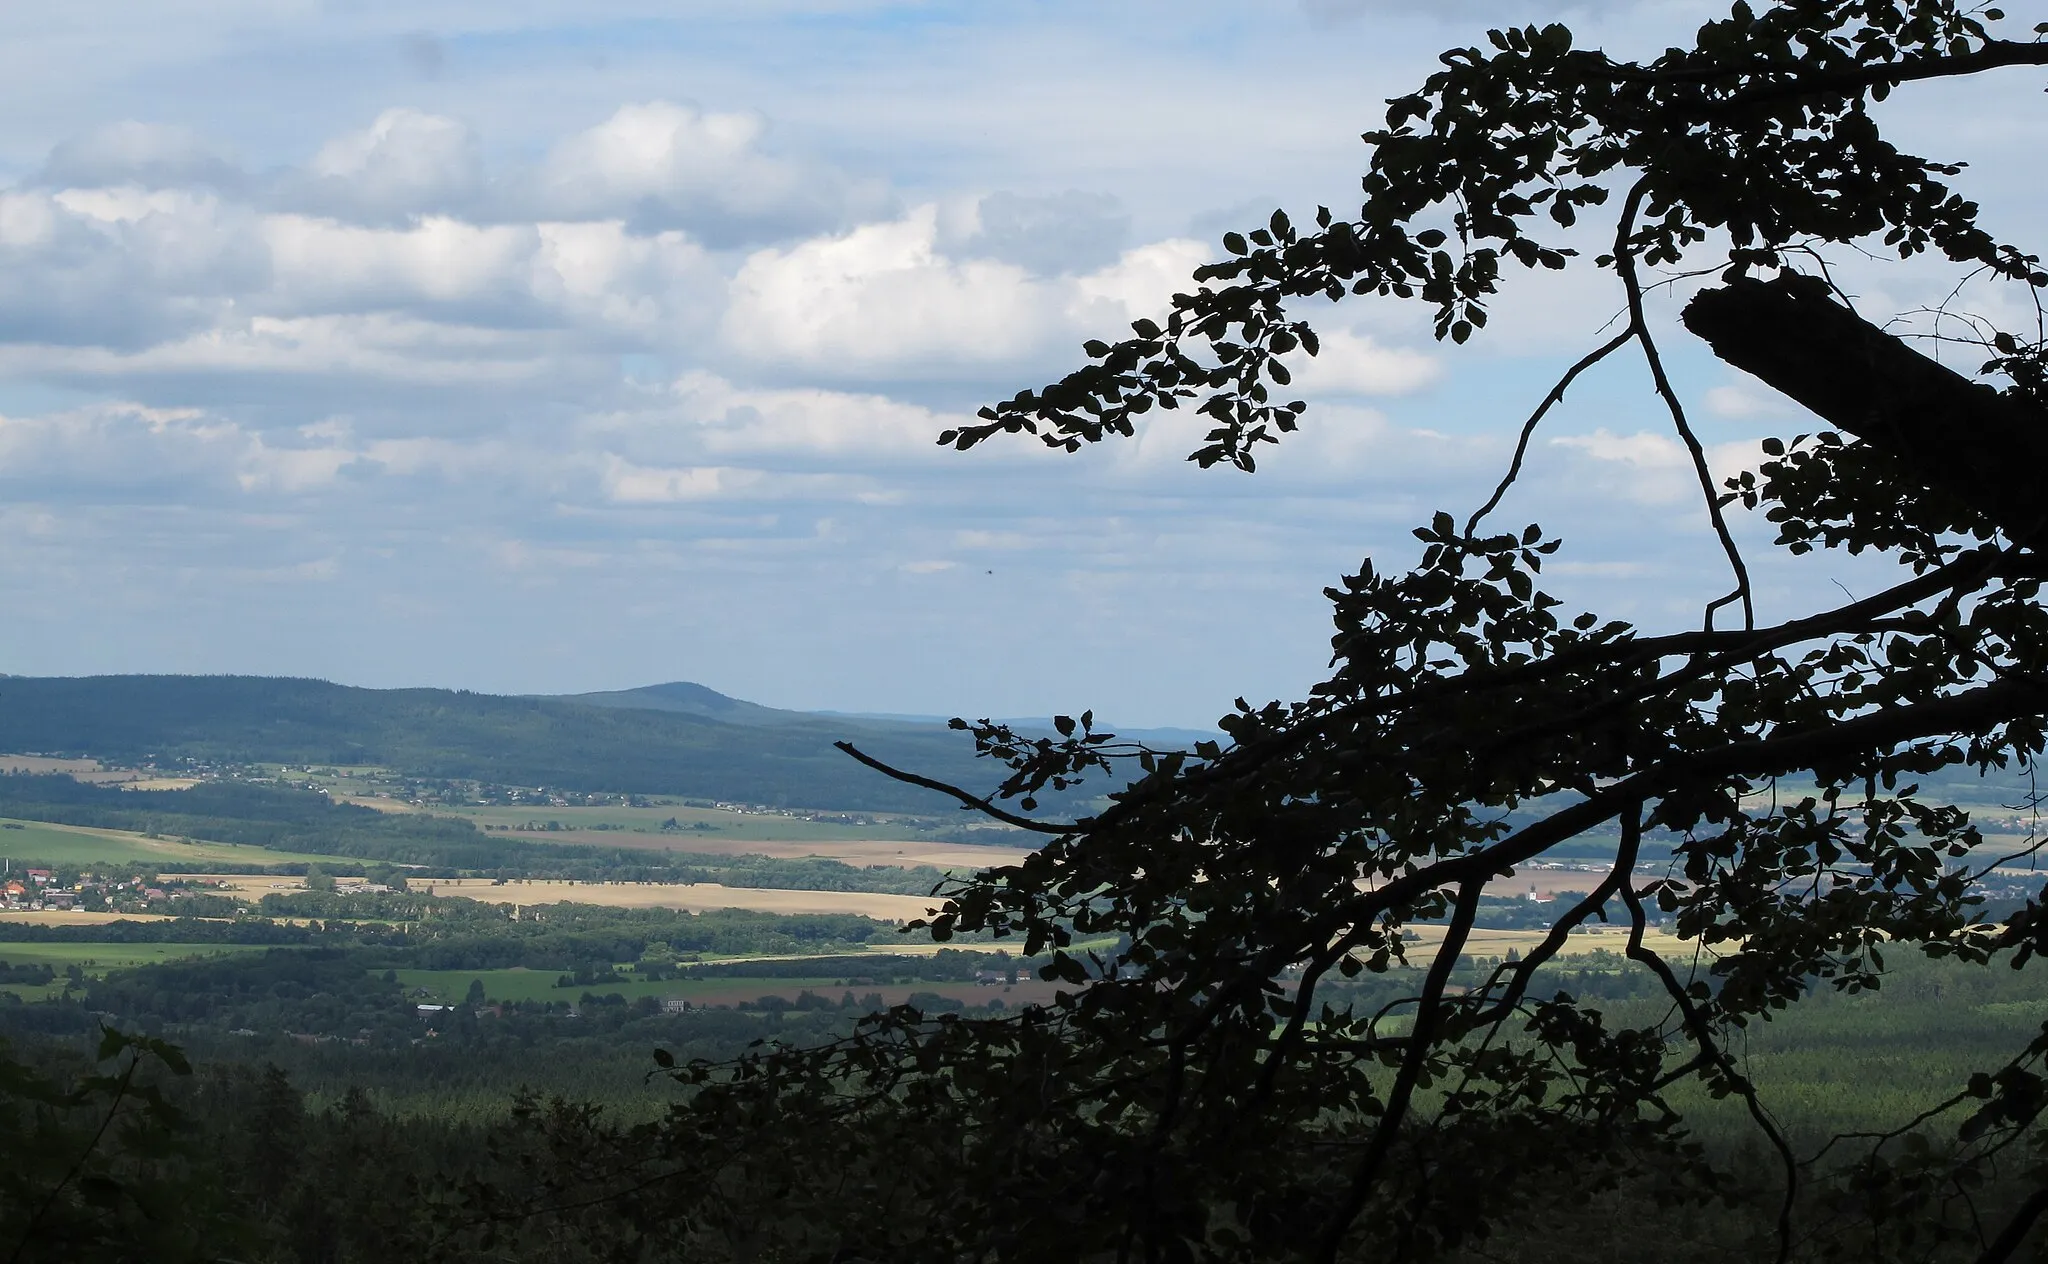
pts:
pixel 1961 437
pixel 2016 1230
pixel 1768 82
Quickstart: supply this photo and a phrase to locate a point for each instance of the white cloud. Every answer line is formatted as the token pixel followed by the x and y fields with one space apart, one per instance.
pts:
pixel 119 267
pixel 1655 469
pixel 324 265
pixel 1748 400
pixel 661 164
pixel 408 341
pixel 639 484
pixel 130 152
pixel 883 301
pixel 404 163
pixel 1354 364
pixel 375 347
pixel 1068 232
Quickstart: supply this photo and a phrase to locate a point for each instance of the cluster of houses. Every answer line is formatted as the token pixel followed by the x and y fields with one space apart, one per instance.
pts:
pixel 37 889
pixel 32 890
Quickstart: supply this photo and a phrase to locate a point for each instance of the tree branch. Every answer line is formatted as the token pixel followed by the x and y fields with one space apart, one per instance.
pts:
pixel 1556 394
pixel 1994 55
pixel 2016 1229
pixel 980 805
pixel 1703 1038
pixel 1428 1012
pixel 1625 267
pixel 1957 436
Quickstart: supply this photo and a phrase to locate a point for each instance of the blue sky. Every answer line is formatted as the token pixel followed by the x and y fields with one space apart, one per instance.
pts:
pixel 548 346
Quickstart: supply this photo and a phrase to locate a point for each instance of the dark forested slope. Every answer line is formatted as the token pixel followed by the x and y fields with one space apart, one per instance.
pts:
pixel 439 733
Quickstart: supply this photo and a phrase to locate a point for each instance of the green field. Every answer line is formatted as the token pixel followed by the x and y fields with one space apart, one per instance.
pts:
pixel 24 842
pixel 641 827
pixel 450 986
pixel 97 959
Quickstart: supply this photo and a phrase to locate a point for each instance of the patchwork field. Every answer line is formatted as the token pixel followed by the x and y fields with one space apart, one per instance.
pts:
pixel 450 986
pixel 694 898
pixel 96 960
pixel 22 841
pixel 878 840
pixel 80 769
pixel 1497 943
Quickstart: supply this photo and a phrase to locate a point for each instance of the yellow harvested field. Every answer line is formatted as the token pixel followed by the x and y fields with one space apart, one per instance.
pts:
pixel 690 897
pixel 693 897
pixel 73 917
pixel 249 886
pixel 1549 880
pixel 861 852
pixel 374 803
pixel 80 769
pixel 39 764
pixel 1496 943
pixel 161 783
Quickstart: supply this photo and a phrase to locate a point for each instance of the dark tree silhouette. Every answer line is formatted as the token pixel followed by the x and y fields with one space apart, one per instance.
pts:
pixel 1197 1094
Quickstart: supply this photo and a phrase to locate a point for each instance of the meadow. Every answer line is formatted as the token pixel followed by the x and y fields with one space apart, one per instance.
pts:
pixel 40 841
pixel 692 897
pixel 696 828
pixel 96 961
pixel 449 987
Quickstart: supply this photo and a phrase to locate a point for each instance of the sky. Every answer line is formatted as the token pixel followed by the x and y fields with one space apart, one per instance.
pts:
pixel 542 346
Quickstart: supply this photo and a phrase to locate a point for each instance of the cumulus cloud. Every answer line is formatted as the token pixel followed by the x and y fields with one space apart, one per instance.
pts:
pixel 629 483
pixel 1335 12
pixel 119 267
pixel 148 155
pixel 404 164
pixel 1748 400
pixel 884 301
pixel 1069 232
pixel 137 449
pixel 1347 363
pixel 1650 468
pixel 662 165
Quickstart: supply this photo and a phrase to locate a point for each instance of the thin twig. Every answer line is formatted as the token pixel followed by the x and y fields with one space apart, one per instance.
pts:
pixel 1625 267
pixel 28 1233
pixel 1556 394
pixel 981 805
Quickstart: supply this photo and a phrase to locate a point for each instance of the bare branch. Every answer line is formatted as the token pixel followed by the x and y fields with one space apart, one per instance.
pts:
pixel 981 805
pixel 1625 267
pixel 1556 394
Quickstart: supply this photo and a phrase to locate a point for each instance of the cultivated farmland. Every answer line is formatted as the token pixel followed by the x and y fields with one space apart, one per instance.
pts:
pixel 22 841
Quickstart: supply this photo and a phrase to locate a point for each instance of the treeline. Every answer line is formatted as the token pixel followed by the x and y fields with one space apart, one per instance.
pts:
pixel 465 934
pixel 305 1149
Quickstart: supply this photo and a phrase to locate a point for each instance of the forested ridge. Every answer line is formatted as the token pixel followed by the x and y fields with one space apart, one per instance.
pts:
pixel 440 733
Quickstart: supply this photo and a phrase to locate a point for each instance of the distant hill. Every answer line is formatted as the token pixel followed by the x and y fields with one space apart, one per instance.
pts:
pixel 695 699
pixel 575 745
pixel 689 698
